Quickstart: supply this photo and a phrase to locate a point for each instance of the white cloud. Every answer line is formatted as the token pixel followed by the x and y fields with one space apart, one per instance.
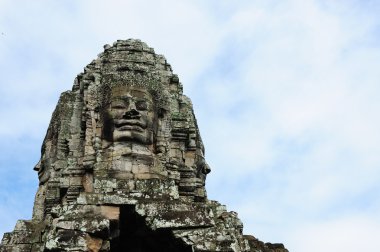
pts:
pixel 180 30
pixel 355 233
pixel 286 95
pixel 312 79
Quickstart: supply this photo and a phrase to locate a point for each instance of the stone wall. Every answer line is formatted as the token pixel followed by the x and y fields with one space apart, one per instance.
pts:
pixel 123 167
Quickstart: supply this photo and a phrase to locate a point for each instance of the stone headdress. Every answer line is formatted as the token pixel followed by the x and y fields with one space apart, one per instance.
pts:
pixel 73 147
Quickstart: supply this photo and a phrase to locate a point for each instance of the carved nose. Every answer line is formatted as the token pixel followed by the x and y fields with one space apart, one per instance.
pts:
pixel 132 114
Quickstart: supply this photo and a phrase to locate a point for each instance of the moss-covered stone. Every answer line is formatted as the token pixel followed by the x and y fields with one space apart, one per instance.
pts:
pixel 123 168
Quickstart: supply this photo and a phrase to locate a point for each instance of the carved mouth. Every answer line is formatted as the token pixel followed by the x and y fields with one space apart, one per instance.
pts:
pixel 41 172
pixel 132 124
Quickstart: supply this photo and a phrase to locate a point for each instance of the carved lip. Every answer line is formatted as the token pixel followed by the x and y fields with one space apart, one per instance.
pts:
pixel 40 174
pixel 131 124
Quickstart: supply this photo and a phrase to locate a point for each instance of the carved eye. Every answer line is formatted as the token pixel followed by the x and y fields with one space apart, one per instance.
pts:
pixel 118 106
pixel 141 105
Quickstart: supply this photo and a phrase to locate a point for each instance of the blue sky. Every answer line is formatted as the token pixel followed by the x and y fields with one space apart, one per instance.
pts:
pixel 286 94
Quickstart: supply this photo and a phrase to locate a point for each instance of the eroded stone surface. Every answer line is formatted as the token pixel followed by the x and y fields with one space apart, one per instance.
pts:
pixel 122 167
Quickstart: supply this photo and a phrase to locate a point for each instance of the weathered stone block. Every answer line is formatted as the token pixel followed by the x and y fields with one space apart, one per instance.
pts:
pixel 123 169
pixel 110 212
pixel 16 248
pixel 6 238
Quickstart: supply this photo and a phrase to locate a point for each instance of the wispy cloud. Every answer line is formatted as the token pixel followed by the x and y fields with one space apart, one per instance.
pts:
pixel 286 96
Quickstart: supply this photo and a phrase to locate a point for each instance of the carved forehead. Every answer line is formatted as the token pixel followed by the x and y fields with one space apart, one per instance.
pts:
pixel 147 84
pixel 124 92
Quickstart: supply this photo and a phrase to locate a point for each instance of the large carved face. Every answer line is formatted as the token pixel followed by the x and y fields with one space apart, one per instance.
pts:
pixel 130 115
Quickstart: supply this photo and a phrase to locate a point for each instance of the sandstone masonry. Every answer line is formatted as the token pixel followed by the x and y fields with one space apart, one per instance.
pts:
pixel 122 167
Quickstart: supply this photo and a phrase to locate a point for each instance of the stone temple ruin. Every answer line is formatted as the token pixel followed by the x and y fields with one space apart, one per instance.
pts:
pixel 122 167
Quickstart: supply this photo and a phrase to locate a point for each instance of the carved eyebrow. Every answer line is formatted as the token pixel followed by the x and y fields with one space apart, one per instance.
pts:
pixel 142 103
pixel 118 102
pixel 143 100
pixel 120 99
pixel 123 98
pixel 117 99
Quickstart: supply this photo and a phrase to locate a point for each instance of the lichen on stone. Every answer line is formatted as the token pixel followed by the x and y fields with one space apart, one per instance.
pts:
pixel 123 167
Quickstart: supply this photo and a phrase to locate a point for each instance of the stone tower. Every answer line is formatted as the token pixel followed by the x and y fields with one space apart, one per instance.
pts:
pixel 122 167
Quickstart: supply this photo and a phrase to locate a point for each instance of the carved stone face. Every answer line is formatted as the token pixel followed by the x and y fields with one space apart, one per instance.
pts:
pixel 43 174
pixel 130 115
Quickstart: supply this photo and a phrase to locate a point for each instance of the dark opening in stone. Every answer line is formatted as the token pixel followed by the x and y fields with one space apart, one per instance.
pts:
pixel 135 236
